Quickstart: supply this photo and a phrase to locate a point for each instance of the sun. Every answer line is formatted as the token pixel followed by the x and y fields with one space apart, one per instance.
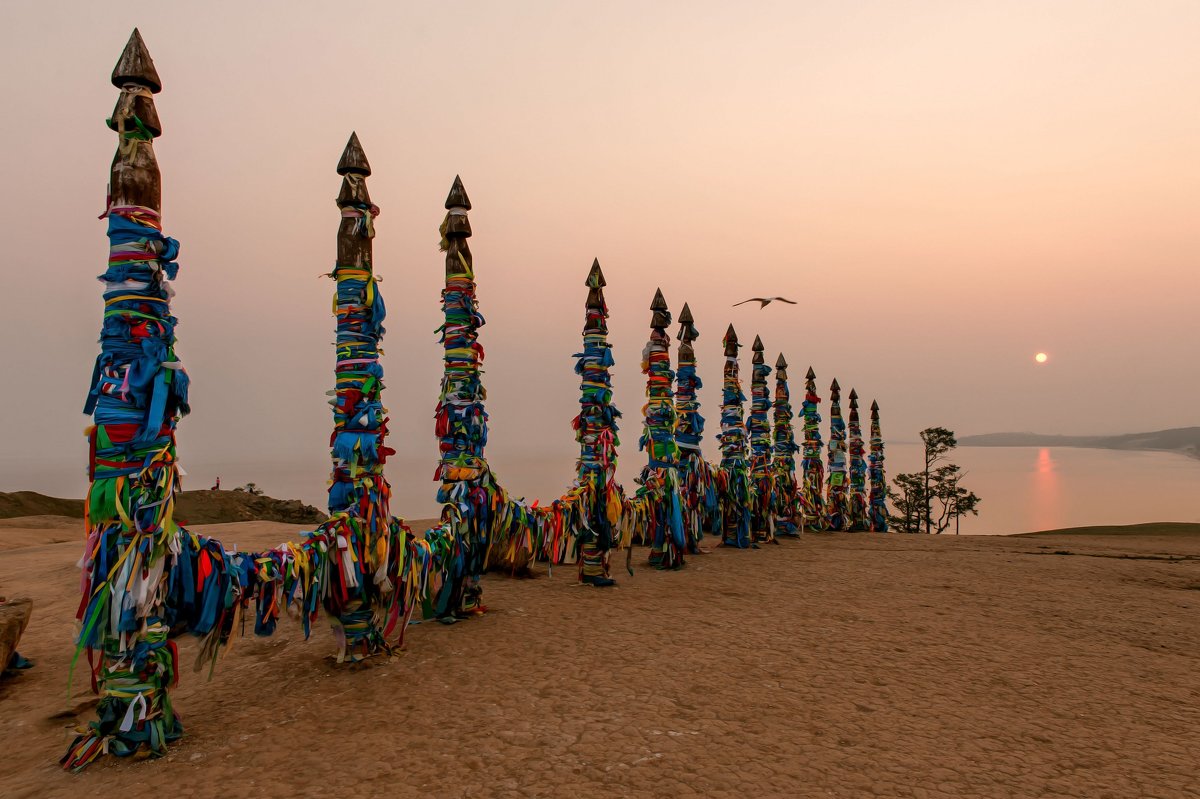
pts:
pixel 1041 357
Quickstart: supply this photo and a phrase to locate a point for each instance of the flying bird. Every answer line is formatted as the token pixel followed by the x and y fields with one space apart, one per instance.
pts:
pixel 765 301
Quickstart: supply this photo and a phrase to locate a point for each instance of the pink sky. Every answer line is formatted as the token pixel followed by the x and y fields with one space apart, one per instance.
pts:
pixel 947 187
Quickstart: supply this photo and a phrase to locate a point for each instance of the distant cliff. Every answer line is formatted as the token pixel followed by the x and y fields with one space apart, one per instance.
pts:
pixel 1184 440
pixel 192 507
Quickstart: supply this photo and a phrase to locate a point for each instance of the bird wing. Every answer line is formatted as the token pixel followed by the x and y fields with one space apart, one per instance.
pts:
pixel 752 299
pixel 785 299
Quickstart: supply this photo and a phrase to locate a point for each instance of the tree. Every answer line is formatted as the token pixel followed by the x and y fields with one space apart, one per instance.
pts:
pixel 915 493
pixel 955 500
pixel 908 498
pixel 938 442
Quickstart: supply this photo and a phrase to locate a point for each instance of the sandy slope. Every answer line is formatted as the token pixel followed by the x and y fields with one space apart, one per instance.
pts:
pixel 847 666
pixel 192 507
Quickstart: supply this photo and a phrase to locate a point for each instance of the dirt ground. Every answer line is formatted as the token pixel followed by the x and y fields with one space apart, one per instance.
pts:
pixel 836 666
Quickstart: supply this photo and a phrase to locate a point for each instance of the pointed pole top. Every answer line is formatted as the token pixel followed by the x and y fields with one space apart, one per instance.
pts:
pixel 687 329
pixel 458 196
pixel 353 160
pixel 874 405
pixel 758 345
pixel 136 66
pixel 834 385
pixel 811 374
pixel 731 343
pixel 661 317
pixel 853 397
pixel 595 278
pixel 781 362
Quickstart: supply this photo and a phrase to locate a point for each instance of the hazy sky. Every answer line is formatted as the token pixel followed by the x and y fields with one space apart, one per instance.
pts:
pixel 947 188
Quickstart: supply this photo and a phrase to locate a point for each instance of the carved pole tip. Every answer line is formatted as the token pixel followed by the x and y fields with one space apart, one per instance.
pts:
pixel 595 278
pixel 758 345
pixel 458 196
pixel 731 343
pixel 353 160
pixel 136 66
pixel 685 316
pixel 659 304
pixel 781 362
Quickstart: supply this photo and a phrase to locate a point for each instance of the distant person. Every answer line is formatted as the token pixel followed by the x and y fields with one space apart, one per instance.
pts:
pixel 217 487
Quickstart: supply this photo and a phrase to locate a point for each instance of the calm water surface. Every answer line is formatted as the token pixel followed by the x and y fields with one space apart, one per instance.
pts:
pixel 1044 488
pixel 1022 488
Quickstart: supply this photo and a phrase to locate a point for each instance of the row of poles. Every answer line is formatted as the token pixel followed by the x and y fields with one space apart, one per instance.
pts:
pixel 146 580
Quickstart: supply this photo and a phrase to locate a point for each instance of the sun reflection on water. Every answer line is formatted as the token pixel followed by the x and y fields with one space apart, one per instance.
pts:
pixel 1047 492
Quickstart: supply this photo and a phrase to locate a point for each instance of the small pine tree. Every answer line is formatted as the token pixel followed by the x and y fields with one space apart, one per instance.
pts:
pixel 915 493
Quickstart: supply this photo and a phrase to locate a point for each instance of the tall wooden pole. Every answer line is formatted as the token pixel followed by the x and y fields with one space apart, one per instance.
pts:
pixel 758 429
pixel 856 504
pixel 358 488
pixel 835 498
pixel 138 393
pixel 813 494
pixel 878 498
pixel 596 432
pixel 696 484
pixel 736 491
pixel 783 464
pixel 668 541
pixel 461 427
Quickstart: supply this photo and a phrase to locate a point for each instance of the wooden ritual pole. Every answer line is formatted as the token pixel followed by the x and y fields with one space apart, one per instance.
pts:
pixel 596 432
pixel 835 498
pixel 697 488
pixel 813 489
pixel 878 498
pixel 758 429
pixel 856 505
pixel 786 503
pixel 736 491
pixel 358 490
pixel 660 478
pixel 466 483
pixel 138 393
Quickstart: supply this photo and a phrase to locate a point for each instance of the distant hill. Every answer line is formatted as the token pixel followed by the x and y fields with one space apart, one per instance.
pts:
pixel 1148 529
pixel 1184 440
pixel 193 507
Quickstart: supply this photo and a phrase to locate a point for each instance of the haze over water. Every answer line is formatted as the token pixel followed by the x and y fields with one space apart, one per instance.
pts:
pixel 1023 488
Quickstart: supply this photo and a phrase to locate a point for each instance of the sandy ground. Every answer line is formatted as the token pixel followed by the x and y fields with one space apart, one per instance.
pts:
pixel 837 666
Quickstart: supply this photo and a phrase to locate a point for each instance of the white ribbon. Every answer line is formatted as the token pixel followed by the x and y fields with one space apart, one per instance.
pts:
pixel 131 714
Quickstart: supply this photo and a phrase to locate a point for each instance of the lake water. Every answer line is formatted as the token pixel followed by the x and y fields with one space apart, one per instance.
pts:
pixel 1022 488
pixel 1044 488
